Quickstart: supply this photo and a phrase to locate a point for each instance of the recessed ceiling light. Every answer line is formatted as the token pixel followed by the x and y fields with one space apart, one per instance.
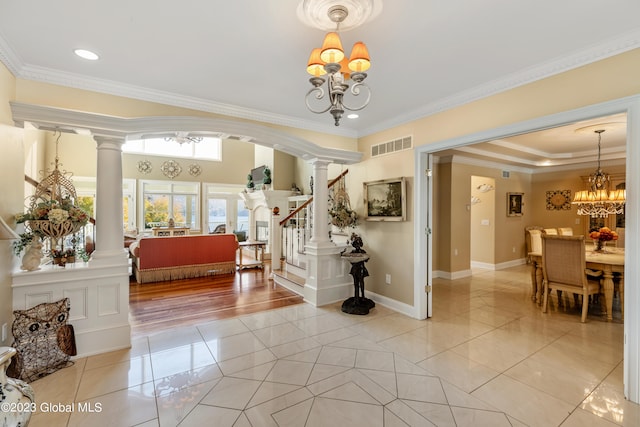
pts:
pixel 86 54
pixel 352 116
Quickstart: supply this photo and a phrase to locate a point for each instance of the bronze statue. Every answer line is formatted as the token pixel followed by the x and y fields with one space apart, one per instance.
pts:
pixel 358 304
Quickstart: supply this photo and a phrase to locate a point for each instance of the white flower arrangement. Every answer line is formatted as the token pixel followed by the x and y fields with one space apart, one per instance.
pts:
pixel 58 216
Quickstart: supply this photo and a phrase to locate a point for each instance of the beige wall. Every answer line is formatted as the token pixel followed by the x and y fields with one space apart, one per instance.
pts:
pixel 283 171
pixel 77 153
pixel 77 99
pixel 483 219
pixel 11 202
pixel 602 81
pixel 391 244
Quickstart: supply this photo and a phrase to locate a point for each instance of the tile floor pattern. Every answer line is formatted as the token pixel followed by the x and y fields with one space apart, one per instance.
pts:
pixel 488 357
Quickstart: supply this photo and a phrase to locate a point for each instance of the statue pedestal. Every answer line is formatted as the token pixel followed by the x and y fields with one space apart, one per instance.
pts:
pixel 357 304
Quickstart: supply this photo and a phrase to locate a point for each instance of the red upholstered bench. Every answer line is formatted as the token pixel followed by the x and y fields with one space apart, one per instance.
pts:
pixel 157 259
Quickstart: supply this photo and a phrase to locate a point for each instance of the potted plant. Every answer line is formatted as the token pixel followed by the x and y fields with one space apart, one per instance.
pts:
pixel 23 243
pixel 266 180
pixel 63 256
pixel 250 184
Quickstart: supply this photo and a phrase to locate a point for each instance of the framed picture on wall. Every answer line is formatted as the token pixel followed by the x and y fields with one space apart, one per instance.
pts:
pixel 385 200
pixel 514 204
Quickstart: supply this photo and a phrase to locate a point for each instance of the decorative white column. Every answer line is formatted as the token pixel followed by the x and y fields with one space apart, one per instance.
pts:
pixel 109 227
pixel 98 290
pixel 327 276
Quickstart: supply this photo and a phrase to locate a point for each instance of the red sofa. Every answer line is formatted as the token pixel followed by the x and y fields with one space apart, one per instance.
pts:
pixel 156 259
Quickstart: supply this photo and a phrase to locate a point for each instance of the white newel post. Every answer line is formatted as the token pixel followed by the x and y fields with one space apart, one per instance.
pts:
pixel 320 230
pixel 276 241
pixel 327 277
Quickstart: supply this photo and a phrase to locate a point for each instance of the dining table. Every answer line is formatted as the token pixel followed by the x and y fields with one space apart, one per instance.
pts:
pixel 610 262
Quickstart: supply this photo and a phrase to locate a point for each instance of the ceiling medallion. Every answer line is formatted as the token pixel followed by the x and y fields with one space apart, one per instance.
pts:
pixel 144 166
pixel 314 13
pixel 171 169
pixel 195 169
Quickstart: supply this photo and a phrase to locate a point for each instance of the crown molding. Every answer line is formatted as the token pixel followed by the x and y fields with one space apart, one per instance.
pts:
pixel 565 63
pixel 609 48
pixel 110 87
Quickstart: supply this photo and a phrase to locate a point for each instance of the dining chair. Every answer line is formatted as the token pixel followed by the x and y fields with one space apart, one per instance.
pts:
pixel 551 231
pixel 533 240
pixel 565 231
pixel 564 269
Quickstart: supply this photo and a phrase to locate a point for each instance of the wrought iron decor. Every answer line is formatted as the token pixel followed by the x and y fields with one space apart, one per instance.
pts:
pixel 559 200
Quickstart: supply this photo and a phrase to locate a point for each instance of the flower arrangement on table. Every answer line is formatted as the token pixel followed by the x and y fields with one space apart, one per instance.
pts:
pixel 605 234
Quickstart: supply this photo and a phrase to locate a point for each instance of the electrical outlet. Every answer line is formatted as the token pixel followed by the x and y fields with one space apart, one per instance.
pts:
pixel 5 328
pixel 455 252
pixel 513 250
pixel 387 279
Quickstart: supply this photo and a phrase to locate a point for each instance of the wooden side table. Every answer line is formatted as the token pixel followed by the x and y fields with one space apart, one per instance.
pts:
pixel 259 258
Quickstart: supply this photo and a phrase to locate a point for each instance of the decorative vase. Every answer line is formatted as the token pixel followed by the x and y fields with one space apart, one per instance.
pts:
pixel 599 245
pixel 16 397
pixel 33 256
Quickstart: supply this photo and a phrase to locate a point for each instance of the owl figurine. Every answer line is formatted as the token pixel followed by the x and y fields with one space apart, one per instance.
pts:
pixel 39 340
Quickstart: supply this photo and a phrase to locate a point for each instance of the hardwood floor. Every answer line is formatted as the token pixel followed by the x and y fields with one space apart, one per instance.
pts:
pixel 155 307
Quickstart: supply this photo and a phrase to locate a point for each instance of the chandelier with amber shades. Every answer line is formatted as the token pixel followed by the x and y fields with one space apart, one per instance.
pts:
pixel 597 201
pixel 328 65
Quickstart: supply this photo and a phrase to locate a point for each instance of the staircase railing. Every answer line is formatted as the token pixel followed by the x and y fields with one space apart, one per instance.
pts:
pixel 305 204
pixel 295 233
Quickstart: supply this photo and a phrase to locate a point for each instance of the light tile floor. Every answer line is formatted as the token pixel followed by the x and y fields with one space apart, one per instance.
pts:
pixel 488 357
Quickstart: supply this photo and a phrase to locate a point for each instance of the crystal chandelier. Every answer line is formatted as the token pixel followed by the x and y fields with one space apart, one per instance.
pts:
pixel 330 59
pixel 598 201
pixel 183 137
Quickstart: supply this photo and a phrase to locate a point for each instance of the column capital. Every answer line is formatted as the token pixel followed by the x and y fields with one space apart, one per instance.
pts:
pixel 109 142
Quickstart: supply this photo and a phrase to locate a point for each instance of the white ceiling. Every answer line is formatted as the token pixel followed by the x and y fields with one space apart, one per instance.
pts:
pixel 247 58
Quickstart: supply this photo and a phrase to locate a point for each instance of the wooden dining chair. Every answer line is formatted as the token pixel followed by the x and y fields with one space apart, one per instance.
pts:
pixel 564 269
pixel 533 240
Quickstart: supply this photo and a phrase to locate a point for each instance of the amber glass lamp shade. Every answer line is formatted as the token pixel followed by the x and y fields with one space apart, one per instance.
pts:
pixel 359 61
pixel 332 49
pixel 315 67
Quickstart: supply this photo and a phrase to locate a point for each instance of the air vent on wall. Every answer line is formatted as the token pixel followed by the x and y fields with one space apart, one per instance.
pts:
pixel 399 144
pixel 506 174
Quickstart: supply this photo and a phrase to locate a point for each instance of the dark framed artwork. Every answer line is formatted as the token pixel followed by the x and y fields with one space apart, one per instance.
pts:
pixel 386 200
pixel 514 204
pixel 559 200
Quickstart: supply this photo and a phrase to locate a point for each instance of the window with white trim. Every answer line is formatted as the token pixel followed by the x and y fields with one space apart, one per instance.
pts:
pixel 162 201
pixel 209 148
